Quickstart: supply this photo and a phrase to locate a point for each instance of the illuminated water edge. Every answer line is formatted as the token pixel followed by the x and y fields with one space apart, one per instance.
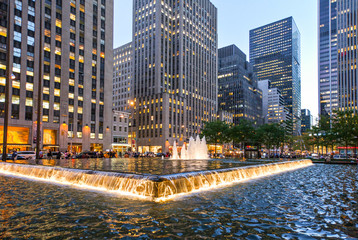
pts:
pixel 148 187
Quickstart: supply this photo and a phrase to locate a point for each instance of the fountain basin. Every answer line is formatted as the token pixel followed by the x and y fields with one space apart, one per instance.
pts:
pixel 146 186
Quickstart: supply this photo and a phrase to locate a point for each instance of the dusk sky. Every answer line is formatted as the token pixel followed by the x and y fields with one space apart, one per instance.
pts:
pixel 237 18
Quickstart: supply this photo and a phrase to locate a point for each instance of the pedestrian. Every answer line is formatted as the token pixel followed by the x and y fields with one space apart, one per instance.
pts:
pixel 14 154
pixel 49 154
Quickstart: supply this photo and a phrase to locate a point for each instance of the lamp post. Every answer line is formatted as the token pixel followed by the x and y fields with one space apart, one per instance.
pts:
pixel 132 104
pixel 39 87
pixel 7 85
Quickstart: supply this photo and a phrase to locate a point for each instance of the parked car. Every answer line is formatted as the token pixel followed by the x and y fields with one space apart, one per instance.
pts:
pixel 87 155
pixel 9 156
pixel 28 155
pixel 160 155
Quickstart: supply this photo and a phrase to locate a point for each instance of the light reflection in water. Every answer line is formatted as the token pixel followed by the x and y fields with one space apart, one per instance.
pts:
pixel 151 187
pixel 319 202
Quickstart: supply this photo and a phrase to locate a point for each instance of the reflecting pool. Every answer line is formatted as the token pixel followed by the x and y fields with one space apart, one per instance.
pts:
pixel 152 166
pixel 309 203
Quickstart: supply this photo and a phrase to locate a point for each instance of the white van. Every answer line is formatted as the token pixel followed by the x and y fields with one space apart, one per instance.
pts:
pixel 29 155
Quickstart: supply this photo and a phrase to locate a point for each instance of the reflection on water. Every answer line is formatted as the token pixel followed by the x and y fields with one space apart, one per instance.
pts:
pixel 143 166
pixel 310 203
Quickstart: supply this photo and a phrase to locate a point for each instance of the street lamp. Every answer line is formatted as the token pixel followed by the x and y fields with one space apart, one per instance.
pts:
pixel 39 88
pixel 132 105
pixel 7 85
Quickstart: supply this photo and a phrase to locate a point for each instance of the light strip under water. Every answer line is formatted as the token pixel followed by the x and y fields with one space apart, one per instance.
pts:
pixel 154 188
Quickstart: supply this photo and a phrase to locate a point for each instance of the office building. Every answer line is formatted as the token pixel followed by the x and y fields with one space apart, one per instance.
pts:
pixel 175 71
pixel 120 141
pixel 238 93
pixel 307 120
pixel 122 77
pixel 275 55
pixel 225 117
pixel 327 57
pixel 347 40
pixel 273 107
pixel 77 65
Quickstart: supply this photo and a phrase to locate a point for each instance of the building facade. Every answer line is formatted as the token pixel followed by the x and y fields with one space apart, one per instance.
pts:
pixel 120 142
pixel 237 86
pixel 347 40
pixel 307 120
pixel 273 107
pixel 225 117
pixel 76 72
pixel 175 71
pixel 122 77
pixel 328 54
pixel 275 53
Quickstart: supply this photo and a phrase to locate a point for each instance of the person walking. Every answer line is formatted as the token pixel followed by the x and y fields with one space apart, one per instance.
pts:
pixel 14 154
pixel 49 154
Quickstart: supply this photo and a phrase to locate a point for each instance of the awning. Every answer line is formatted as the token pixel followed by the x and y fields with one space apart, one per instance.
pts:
pixel 120 145
pixel 18 145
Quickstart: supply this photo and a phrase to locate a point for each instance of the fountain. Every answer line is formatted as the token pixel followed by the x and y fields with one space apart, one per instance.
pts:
pixel 150 187
pixel 196 149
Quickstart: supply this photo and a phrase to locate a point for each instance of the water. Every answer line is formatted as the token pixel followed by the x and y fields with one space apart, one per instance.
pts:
pixel 311 203
pixel 152 166
pixel 197 149
pixel 152 187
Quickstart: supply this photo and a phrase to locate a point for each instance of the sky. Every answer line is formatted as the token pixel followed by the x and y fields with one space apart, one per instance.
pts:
pixel 237 18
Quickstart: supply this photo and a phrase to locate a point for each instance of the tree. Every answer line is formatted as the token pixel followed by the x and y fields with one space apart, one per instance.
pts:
pixel 242 133
pixel 271 135
pixel 344 126
pixel 216 132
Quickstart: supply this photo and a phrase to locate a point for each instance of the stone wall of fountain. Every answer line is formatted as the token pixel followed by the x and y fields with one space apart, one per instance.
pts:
pixel 196 149
pixel 156 188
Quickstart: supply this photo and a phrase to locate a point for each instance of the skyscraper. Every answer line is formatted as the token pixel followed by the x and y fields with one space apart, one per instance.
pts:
pixel 273 104
pixel 76 73
pixel 328 53
pixel 307 120
pixel 338 55
pixel 175 70
pixel 347 40
pixel 237 86
pixel 122 77
pixel 275 53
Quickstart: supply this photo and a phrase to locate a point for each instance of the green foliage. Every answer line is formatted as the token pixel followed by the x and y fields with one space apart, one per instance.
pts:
pixel 341 129
pixel 271 135
pixel 242 133
pixel 216 132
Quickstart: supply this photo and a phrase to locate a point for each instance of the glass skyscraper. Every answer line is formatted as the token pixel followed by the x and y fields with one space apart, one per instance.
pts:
pixel 238 91
pixel 328 80
pixel 275 52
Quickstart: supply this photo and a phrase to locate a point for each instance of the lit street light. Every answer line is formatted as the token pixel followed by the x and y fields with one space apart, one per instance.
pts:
pixel 7 85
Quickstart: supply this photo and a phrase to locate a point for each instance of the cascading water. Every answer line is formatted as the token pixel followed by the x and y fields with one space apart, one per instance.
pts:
pixel 156 188
pixel 196 149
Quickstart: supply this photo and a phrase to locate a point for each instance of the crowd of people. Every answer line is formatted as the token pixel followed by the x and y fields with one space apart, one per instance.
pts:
pixel 92 154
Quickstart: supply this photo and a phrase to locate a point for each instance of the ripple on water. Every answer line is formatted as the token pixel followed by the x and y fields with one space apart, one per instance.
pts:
pixel 310 203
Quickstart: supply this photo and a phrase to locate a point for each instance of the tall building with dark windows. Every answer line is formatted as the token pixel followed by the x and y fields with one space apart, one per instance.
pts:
pixel 275 52
pixel 76 77
pixel 307 120
pixel 327 60
pixel 122 77
pixel 175 71
pixel 238 92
